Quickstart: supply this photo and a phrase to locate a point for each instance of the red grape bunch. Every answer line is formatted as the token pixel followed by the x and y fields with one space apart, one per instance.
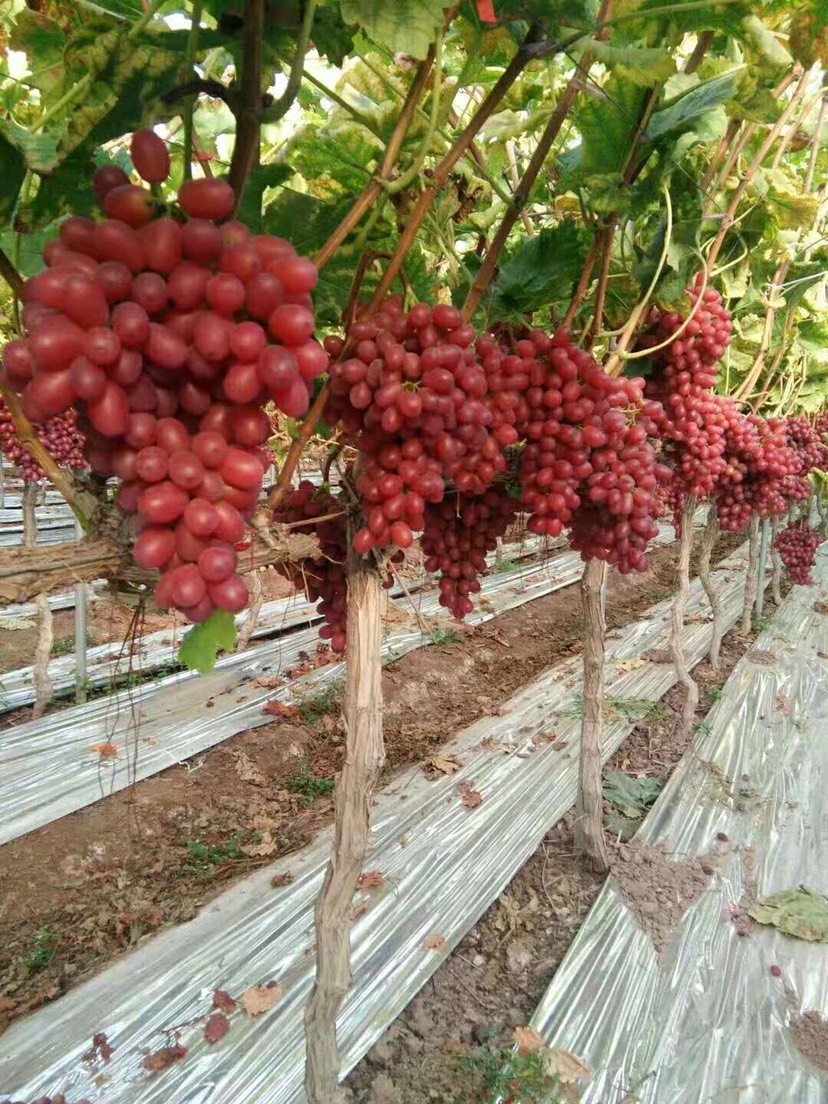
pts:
pixel 60 436
pixel 797 544
pixel 689 364
pixel 415 400
pixel 588 463
pixel 168 332
pixel 458 533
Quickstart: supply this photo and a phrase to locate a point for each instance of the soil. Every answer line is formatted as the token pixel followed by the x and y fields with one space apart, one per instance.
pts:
pixel 809 1034
pixel 80 891
pixel 461 1025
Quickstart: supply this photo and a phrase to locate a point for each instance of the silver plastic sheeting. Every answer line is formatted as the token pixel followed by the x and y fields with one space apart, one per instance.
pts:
pixel 443 863
pixel 706 1021
pixel 110 663
pixel 48 767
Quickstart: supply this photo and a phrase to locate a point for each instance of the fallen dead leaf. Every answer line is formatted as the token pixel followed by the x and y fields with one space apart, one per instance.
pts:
pixel 247 770
pixel 469 796
pixel 434 943
pixel 279 880
pixel 260 998
pixel 266 846
pixel 441 764
pixel 100 1049
pixel 106 750
pixel 629 664
pixel 279 709
pixel 163 1058
pixel 7 1005
pixel 566 1065
pixel 223 1001
pixel 216 1027
pixel 371 879
pixel 527 1040
pixel 268 682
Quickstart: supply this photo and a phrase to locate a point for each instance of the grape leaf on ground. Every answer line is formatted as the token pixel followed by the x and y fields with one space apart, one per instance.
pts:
pixel 201 645
pixel 163 1058
pixel 260 998
pixel 631 796
pixel 801 912
pixel 223 1001
pixel 216 1027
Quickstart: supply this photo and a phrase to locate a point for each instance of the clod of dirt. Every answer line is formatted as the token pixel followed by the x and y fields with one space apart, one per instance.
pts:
pixel 809 1034
pixel 656 890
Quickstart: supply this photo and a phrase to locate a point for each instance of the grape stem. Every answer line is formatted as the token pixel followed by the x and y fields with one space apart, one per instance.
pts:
pixel 297 68
pixel 607 235
pixel 11 275
pixel 583 282
pixel 248 106
pixel 402 182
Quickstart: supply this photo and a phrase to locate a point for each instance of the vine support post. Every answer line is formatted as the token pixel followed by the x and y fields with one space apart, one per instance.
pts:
pixel 691 699
pixel 589 809
pixel 708 541
pixel 763 562
pixel 752 577
pixel 80 632
pixel 776 574
pixel 253 611
pixel 45 635
pixel 364 758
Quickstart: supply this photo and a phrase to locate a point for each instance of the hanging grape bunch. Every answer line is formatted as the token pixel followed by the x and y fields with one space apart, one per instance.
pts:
pixel 61 439
pixel 168 332
pixel 797 544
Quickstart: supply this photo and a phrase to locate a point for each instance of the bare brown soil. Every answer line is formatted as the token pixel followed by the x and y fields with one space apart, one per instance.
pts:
pixel 80 891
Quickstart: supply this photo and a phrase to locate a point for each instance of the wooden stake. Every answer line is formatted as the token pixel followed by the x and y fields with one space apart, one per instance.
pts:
pixel 43 686
pixel 691 699
pixel 776 575
pixel 364 758
pixel 589 809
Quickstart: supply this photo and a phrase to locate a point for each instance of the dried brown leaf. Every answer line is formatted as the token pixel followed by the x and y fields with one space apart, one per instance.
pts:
pixel 266 846
pixel 163 1058
pixel 441 764
pixel 434 943
pixel 279 709
pixel 566 1066
pixel 216 1027
pixel 223 1001
pixel 106 750
pixel 260 998
pixel 279 880
pixel 7 1005
pixel 268 682
pixel 629 664
pixel 371 879
pixel 527 1040
pixel 469 796
pixel 247 770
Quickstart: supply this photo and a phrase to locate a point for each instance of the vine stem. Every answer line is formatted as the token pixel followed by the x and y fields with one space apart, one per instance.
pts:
pixel 81 504
pixel 189 108
pixel 297 69
pixel 43 686
pixel 751 577
pixel 11 275
pixel 364 758
pixel 401 182
pixel 583 281
pixel 708 541
pixel 753 168
pixel 589 809
pixel 248 105
pixel 607 235
pixel 691 699
pixel 444 167
pixel 613 365
pixel 521 193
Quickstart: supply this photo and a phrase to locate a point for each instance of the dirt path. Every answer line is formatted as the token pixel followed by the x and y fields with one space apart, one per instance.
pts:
pixel 452 1042
pixel 80 891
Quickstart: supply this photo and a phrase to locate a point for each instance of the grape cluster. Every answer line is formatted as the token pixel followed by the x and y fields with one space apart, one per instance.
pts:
pixel 797 544
pixel 61 439
pixel 414 398
pixel 458 533
pixel 696 421
pixel 588 463
pixel 764 473
pixel 168 333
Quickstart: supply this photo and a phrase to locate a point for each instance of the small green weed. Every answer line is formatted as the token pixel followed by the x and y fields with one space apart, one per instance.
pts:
pixel 506 565
pixel 615 709
pixel 317 705
pixel 500 1073
pixel 43 949
pixel 310 786
pixel 212 854
pixel 444 636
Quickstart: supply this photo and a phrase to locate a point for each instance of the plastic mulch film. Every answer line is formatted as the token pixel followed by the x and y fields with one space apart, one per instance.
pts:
pixel 108 663
pixel 443 865
pixel 48 767
pixel 706 1020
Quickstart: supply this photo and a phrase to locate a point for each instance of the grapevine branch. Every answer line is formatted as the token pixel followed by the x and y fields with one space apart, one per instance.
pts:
pixel 601 288
pixel 583 281
pixel 248 108
pixel 11 275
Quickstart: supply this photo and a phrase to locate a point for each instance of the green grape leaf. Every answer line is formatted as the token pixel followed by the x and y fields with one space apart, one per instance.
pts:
pixel 404 26
pixel 641 65
pixel 705 17
pixel 684 110
pixel 802 278
pixel 770 50
pixel 200 647
pixel 631 796
pixel 261 178
pixel 331 36
pixel 607 125
pixel 792 211
pixel 42 41
pixel 542 269
pixel 67 188
pixel 38 150
pixel 812 335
